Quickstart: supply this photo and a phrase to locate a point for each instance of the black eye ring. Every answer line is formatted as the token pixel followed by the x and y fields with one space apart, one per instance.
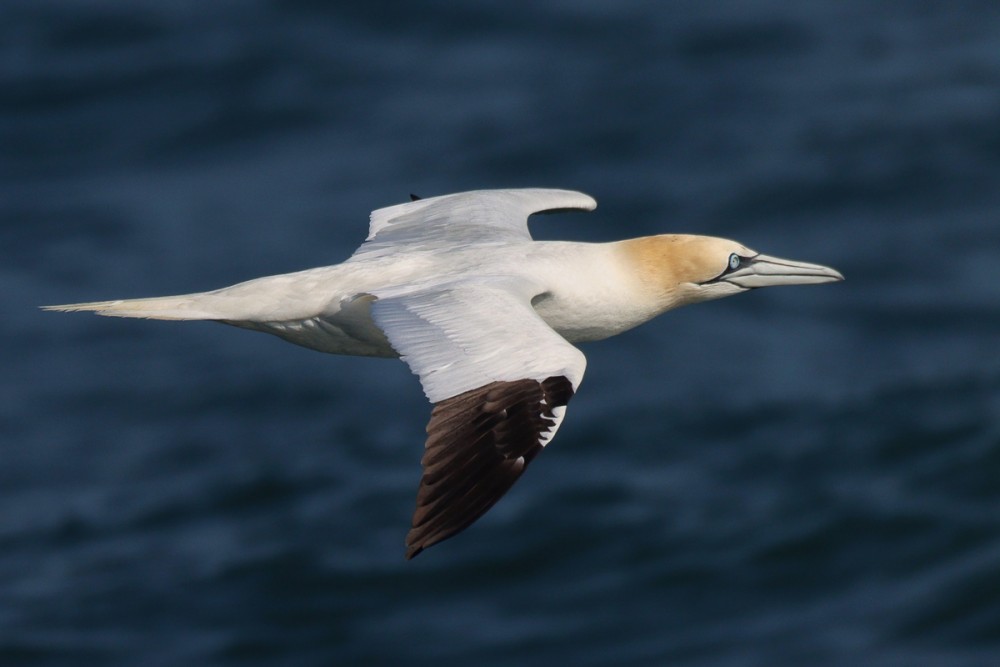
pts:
pixel 734 262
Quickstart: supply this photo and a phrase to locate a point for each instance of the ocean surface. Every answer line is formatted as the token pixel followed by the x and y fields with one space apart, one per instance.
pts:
pixel 805 476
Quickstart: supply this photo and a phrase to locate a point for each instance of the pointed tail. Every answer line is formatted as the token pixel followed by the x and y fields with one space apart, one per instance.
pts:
pixel 183 307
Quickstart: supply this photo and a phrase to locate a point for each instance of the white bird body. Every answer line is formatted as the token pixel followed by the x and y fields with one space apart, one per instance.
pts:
pixel 589 294
pixel 485 316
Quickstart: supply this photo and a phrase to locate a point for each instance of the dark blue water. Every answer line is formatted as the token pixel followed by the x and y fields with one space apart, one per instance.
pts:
pixel 799 476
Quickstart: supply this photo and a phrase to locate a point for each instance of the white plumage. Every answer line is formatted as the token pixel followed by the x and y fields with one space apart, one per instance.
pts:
pixel 485 316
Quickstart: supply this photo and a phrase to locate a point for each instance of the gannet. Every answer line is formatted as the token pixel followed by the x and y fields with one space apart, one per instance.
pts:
pixel 485 316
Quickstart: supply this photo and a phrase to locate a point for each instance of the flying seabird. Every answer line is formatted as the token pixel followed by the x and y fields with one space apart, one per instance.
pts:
pixel 485 316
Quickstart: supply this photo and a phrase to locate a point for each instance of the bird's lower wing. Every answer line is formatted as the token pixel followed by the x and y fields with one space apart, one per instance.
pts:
pixel 499 379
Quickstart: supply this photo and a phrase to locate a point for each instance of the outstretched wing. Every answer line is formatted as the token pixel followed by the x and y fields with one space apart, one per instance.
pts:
pixel 499 379
pixel 479 216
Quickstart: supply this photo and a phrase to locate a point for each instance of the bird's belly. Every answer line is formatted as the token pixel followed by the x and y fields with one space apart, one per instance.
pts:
pixel 348 330
pixel 325 336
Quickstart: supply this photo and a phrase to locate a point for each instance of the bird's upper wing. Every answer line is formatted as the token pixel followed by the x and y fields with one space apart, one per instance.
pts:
pixel 499 379
pixel 479 216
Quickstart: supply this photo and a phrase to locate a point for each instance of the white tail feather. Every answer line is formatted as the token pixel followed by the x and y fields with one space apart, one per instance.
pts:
pixel 185 307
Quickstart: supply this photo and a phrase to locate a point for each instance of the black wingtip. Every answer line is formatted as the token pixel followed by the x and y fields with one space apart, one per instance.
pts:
pixel 478 444
pixel 414 197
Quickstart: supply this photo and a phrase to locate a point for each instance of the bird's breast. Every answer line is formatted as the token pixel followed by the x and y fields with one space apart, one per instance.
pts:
pixel 580 320
pixel 591 295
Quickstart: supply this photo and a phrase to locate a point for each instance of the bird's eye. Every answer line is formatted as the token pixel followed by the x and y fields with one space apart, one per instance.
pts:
pixel 734 262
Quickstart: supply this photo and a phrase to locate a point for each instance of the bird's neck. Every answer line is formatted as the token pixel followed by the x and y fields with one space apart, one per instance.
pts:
pixel 663 267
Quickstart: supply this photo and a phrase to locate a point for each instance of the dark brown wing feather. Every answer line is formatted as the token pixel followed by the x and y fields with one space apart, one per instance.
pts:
pixel 478 444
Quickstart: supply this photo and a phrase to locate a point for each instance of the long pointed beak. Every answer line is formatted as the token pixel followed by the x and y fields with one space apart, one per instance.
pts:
pixel 766 271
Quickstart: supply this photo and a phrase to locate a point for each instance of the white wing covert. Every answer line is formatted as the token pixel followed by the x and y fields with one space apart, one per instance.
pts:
pixel 480 216
pixel 499 379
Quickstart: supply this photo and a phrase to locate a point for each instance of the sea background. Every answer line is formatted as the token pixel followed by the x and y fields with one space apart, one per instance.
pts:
pixel 796 476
